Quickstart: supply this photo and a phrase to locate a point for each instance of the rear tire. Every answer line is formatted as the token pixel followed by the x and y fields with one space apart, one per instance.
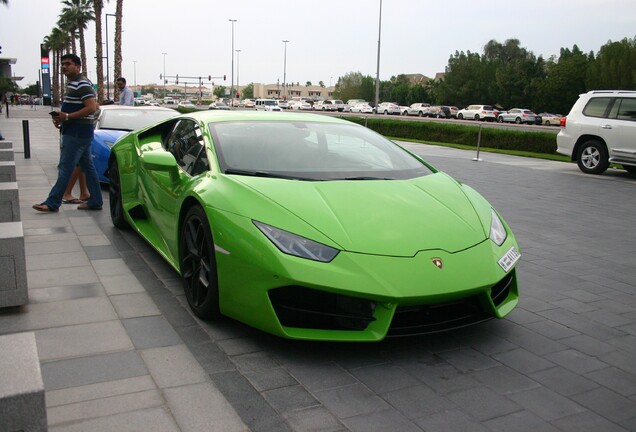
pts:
pixel 592 157
pixel 198 265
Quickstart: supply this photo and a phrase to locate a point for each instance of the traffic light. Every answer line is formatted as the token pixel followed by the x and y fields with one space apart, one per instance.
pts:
pixel 223 77
pixel 210 78
pixel 238 95
pixel 177 81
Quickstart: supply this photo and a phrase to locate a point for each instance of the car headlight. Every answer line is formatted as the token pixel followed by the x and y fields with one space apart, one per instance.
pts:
pixel 295 245
pixel 498 232
pixel 110 144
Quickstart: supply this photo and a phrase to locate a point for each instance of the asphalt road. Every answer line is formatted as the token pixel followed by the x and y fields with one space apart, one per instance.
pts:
pixel 563 360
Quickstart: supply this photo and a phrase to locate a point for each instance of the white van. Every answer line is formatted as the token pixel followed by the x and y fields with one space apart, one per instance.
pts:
pixel 267 105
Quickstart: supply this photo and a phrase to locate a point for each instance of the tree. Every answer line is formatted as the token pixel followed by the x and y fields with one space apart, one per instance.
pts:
pixel 78 14
pixel 354 85
pixel 248 91
pixel 98 6
pixel 7 85
pixel 565 80
pixel 614 67
pixel 32 90
pixel 219 92
pixel 118 58
pixel 308 83
pixel 56 42
pixel 321 84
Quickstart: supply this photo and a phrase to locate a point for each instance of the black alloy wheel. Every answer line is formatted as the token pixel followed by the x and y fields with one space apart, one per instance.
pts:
pixel 476 117
pixel 198 265
pixel 114 196
pixel 592 157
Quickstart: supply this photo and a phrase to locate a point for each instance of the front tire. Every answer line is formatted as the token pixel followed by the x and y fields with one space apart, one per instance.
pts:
pixel 114 196
pixel 460 116
pixel 198 265
pixel 500 119
pixel 592 157
pixel 518 120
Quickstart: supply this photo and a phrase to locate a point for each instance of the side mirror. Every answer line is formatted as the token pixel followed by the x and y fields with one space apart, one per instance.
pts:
pixel 160 160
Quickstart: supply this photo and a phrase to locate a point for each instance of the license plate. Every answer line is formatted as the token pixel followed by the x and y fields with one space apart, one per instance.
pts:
pixel 509 259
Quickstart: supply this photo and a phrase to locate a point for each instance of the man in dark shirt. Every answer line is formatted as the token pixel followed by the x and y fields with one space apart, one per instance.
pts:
pixel 76 121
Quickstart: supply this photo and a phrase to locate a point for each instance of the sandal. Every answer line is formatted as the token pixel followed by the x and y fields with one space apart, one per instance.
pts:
pixel 72 201
pixel 87 207
pixel 44 208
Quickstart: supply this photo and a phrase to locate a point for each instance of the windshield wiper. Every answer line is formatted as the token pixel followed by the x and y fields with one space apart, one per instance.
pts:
pixel 266 174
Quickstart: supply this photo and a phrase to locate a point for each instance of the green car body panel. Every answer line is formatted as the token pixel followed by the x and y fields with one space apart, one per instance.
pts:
pixel 388 233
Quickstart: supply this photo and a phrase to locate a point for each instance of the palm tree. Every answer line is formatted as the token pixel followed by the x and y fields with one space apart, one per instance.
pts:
pixel 98 6
pixel 79 13
pixel 56 41
pixel 117 71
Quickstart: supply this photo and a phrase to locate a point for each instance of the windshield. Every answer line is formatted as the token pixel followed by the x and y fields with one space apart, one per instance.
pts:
pixel 132 119
pixel 311 151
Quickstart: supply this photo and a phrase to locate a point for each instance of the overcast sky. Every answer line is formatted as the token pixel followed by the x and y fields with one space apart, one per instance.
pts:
pixel 327 38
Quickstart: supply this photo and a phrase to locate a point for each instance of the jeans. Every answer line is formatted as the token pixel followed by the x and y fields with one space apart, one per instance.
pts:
pixel 74 151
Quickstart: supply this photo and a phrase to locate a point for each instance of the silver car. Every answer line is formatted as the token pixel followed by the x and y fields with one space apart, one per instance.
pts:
pixel 517 115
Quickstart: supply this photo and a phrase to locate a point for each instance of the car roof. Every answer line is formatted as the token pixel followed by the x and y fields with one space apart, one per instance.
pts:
pixel 223 116
pixel 133 108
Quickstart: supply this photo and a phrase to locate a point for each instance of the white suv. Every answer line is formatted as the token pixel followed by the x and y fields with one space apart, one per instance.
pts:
pixel 600 130
pixel 477 112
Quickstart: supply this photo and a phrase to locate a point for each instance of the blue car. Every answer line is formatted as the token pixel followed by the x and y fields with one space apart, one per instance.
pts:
pixel 113 122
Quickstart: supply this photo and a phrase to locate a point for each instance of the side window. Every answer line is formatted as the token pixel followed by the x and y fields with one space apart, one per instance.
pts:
pixel 596 107
pixel 188 147
pixel 627 109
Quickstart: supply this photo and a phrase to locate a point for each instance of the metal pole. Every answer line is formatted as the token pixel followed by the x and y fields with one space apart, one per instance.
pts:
pixel 285 71
pixel 478 159
pixel 27 140
pixel 238 57
pixel 107 58
pixel 232 87
pixel 377 76
pixel 164 74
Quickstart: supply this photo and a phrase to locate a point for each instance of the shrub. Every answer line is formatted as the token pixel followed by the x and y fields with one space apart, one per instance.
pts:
pixel 505 139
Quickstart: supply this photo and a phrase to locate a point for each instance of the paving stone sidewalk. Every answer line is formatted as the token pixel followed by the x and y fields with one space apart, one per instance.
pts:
pixel 119 349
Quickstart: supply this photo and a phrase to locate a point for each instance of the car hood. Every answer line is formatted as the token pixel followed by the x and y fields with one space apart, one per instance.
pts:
pixel 381 217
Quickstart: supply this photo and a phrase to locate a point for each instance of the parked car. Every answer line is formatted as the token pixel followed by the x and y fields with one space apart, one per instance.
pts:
pixel 218 106
pixel 477 112
pixel 388 108
pixel 600 130
pixel 340 105
pixel 517 115
pixel 453 111
pixel 267 105
pixel 249 103
pixel 419 109
pixel 169 100
pixel 139 101
pixel 300 105
pixel 153 103
pixel 550 119
pixel 362 108
pixel 439 111
pixel 260 218
pixel 186 104
pixel 324 105
pixel 282 103
pixel 352 102
pixel 114 121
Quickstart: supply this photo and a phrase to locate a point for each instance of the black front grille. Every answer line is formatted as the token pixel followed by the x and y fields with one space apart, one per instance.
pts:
pixel 308 308
pixel 431 318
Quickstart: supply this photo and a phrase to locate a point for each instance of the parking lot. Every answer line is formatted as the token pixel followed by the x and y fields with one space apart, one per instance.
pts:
pixel 563 360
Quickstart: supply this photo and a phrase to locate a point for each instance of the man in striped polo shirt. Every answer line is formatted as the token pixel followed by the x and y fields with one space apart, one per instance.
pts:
pixel 76 121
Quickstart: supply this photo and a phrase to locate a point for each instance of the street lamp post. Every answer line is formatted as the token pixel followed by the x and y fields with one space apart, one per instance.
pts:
pixel 107 67
pixel 135 73
pixel 285 71
pixel 238 86
pixel 232 86
pixel 164 74
pixel 377 76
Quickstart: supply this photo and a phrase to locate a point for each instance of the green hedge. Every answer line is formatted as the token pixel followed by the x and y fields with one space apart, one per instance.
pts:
pixel 428 131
